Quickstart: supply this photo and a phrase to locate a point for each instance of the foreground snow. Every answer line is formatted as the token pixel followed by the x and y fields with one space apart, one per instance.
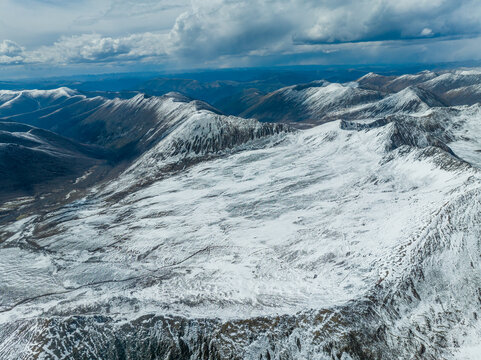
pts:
pixel 316 220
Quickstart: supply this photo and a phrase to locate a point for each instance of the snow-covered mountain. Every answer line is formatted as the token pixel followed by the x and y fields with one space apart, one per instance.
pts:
pixel 132 126
pixel 114 123
pixel 228 238
pixel 321 102
pixel 409 101
pixel 392 84
pixel 25 101
pixel 370 96
pixel 310 102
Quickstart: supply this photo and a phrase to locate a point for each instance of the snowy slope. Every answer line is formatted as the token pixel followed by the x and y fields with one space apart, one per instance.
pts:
pixel 325 218
pixel 245 225
pixel 197 136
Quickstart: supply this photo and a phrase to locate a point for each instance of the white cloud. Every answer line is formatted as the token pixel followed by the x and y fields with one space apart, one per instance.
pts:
pixel 10 52
pixel 35 23
pixel 427 32
pixel 96 48
pixel 226 27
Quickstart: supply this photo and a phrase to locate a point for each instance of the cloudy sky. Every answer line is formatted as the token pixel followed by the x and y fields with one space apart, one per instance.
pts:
pixel 140 35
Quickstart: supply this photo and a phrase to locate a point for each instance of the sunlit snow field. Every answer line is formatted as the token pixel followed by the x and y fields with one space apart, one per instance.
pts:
pixel 312 222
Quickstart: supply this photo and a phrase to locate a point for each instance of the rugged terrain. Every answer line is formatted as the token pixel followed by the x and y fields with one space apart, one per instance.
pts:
pixel 352 232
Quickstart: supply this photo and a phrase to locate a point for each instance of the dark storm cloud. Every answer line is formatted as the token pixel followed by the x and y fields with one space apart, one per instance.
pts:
pixel 232 27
